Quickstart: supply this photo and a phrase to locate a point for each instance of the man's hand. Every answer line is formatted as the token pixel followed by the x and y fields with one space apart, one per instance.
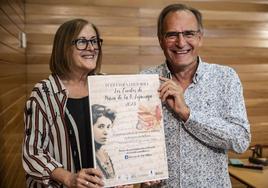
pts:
pixel 124 186
pixel 173 95
pixel 150 184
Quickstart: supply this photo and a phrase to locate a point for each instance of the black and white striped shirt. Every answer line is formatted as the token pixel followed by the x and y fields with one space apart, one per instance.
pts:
pixel 46 145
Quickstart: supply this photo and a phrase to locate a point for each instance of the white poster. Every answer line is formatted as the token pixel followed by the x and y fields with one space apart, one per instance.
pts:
pixel 127 126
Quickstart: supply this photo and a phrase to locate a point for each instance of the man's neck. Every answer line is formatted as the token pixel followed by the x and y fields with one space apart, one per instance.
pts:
pixel 184 76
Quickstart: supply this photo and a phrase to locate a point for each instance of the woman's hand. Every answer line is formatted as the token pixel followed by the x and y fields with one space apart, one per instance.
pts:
pixel 86 178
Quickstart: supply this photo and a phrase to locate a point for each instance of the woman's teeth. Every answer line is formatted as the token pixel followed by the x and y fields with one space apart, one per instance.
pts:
pixel 88 56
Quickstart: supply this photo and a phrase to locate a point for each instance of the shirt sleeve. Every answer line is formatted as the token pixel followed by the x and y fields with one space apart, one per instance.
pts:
pixel 36 159
pixel 228 129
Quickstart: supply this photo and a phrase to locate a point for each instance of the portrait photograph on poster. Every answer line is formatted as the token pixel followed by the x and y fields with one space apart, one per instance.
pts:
pixel 127 126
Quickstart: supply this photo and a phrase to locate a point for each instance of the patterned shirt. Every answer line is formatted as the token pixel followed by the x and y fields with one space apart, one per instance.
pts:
pixel 46 145
pixel 197 149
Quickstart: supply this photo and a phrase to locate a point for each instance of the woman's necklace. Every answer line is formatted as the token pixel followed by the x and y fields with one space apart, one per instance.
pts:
pixel 105 163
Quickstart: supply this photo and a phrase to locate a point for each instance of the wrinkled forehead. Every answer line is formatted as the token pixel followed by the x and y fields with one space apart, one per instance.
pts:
pixel 180 20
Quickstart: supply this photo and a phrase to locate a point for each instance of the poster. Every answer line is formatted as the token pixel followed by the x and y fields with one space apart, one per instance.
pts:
pixel 127 126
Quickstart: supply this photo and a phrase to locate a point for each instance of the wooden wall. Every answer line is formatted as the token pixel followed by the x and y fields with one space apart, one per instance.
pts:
pixel 236 34
pixel 12 92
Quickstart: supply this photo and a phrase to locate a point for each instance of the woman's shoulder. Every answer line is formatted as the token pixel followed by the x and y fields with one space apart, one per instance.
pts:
pixel 43 86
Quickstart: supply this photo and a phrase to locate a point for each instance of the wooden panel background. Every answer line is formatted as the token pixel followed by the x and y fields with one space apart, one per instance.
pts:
pixel 236 34
pixel 12 92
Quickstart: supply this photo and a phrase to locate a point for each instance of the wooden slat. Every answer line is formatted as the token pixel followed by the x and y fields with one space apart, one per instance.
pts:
pixel 251 68
pixel 254 76
pixel 11 55
pixel 262 85
pixel 12 15
pixel 257 54
pixel 12 181
pixel 21 4
pixel 120 69
pixel 39 39
pixel 214 15
pixel 260 33
pixel 60 2
pixel 32 79
pixel 10 82
pixel 235 33
pixel 105 30
pixel 41 29
pixel 235 42
pixel 39 49
pixel 108 58
pixel 11 69
pixel 13 160
pixel 258 119
pixel 8 39
pixel 208 5
pixel 8 53
pixel 257 103
pixel 236 24
pixel 7 116
pixel 8 24
pixel 10 97
pixel 241 52
pixel 235 15
pixel 120 41
pixel 234 60
pixel 257 111
pixel 102 20
pixel 80 10
pixel 17 8
pixel 115 50
pixel 133 59
pixel 37 58
pixel 249 94
pixel 38 69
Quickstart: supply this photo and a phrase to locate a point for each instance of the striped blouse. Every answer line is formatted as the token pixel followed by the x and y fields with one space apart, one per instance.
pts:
pixel 46 145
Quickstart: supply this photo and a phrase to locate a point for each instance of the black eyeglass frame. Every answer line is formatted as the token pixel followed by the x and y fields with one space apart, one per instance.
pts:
pixel 185 34
pixel 99 40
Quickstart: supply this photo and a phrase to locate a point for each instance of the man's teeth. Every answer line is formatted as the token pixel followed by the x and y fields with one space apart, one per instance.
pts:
pixel 182 52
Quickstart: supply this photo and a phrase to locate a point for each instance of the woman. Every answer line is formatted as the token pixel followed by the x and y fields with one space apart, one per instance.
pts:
pixel 103 119
pixel 57 148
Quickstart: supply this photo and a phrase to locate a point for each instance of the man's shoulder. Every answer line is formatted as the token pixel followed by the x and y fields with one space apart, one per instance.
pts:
pixel 219 69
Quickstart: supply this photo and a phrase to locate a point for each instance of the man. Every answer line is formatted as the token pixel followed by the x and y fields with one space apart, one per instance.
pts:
pixel 203 105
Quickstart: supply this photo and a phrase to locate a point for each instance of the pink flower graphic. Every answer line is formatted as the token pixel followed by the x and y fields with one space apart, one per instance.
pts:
pixel 149 117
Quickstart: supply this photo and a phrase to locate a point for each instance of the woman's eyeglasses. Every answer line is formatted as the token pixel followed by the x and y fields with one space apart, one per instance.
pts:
pixel 82 44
